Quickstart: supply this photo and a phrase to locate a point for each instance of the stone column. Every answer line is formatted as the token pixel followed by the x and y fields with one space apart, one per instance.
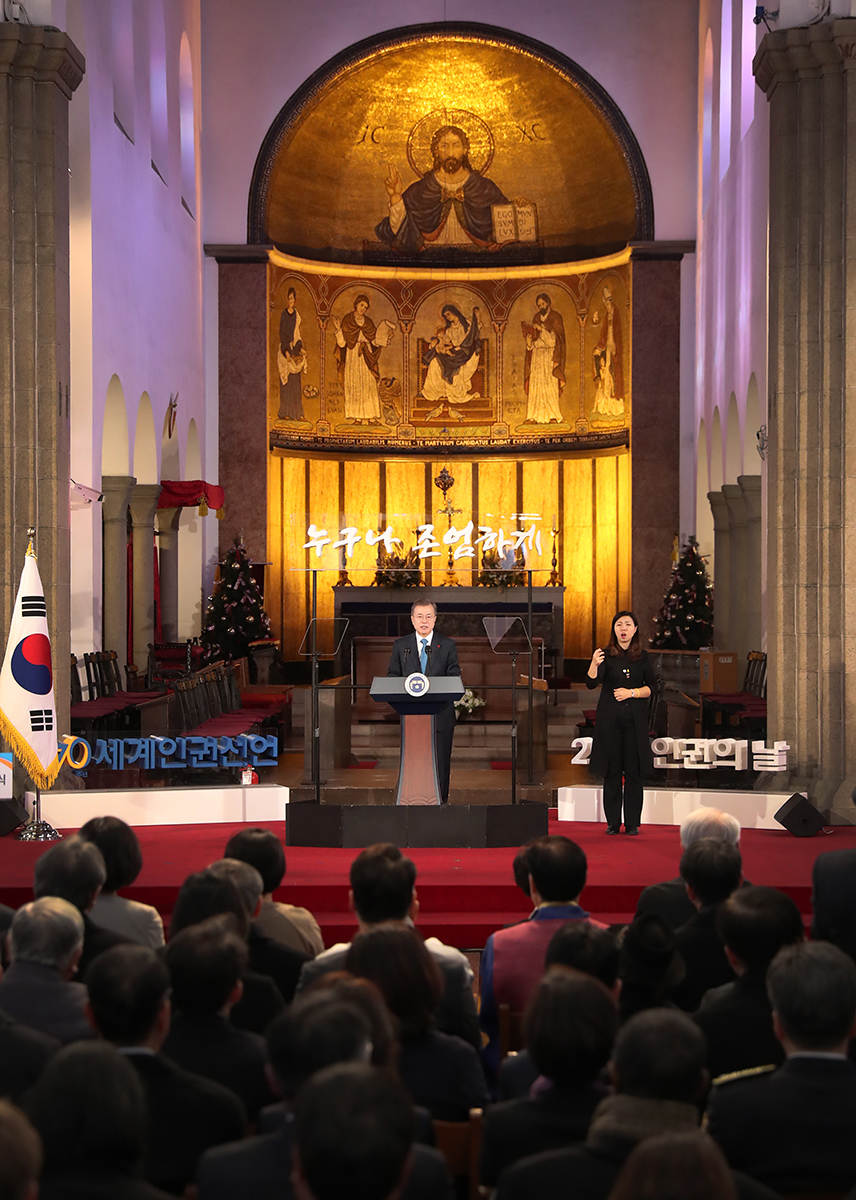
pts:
pixel 655 419
pixel 736 569
pixel 40 68
pixel 144 501
pixel 167 528
pixel 116 490
pixel 750 485
pixel 721 572
pixel 809 77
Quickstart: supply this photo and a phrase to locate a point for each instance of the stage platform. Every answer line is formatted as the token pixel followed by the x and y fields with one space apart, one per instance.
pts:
pixel 464 895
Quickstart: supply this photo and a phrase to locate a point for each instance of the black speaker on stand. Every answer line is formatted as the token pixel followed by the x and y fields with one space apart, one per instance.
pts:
pixel 12 815
pixel 799 816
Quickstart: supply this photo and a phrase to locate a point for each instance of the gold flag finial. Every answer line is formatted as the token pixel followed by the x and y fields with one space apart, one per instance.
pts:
pixel 31 533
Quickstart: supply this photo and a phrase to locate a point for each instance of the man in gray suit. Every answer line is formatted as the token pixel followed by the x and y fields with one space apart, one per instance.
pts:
pixel 45 944
pixel 383 892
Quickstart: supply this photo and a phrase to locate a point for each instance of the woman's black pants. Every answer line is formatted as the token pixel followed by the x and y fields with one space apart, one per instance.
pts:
pixel 623 766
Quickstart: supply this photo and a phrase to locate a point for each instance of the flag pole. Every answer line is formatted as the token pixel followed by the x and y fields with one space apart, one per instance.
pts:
pixel 37 830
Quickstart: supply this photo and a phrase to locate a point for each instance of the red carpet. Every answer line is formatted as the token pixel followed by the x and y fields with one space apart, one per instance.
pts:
pixel 464 894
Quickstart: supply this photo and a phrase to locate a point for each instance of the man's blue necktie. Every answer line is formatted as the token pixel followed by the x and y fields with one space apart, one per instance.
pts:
pixel 423 657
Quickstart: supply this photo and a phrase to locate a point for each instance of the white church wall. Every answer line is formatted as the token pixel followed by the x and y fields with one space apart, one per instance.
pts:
pixel 255 58
pixel 731 322
pixel 136 250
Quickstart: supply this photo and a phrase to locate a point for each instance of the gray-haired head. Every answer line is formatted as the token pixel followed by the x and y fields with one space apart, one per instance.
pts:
pixel 47 931
pixel 246 879
pixel 73 869
pixel 709 823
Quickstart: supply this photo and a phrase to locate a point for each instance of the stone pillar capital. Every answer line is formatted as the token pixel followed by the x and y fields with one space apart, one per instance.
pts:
pixel 41 53
pixel 167 519
pixel 736 503
pixel 115 490
pixel 143 504
pixel 788 55
pixel 750 486
pixel 719 508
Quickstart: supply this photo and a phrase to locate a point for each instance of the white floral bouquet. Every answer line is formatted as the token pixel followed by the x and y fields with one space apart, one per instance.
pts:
pixel 467 704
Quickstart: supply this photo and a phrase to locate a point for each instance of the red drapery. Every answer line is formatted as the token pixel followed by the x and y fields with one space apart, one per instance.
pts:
pixel 186 493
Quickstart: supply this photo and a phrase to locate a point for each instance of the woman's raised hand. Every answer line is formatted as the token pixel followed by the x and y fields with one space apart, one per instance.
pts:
pixel 596 660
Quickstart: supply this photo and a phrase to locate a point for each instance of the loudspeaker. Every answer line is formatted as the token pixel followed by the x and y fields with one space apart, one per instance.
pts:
pixel 12 815
pixel 799 816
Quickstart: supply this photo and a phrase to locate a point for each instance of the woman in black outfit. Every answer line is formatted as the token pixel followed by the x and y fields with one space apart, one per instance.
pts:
pixel 622 751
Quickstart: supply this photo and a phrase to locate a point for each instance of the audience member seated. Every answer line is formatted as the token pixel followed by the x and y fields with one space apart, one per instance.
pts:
pixel 385 1043
pixel 206 895
pixel 318 1031
pixel 24 1054
pixel 442 1073
pixel 123 861
pixel 570 1025
pixel 382 892
pixel 513 958
pixel 833 898
pixel 267 956
pixel 354 1137
pixel 206 964
pixel 586 948
pixel 45 944
pixel 88 1107
pixel 674 1166
pixel 74 870
pixel 6 915
pixel 287 923
pixel 649 965
pixel 736 1019
pixel 792 1128
pixel 129 1006
pixel 20 1155
pixel 670 900
pixel 659 1077
pixel 712 870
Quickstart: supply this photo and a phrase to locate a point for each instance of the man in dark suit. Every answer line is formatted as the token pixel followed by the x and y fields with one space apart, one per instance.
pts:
pixel 74 870
pixel 712 870
pixel 129 1006
pixel 45 942
pixel 431 653
pixel 833 899
pixel 383 891
pixel 24 1053
pixel 669 900
pixel 737 1018
pixel 659 1077
pixel 267 957
pixel 317 1031
pixel 792 1128
pixel 206 963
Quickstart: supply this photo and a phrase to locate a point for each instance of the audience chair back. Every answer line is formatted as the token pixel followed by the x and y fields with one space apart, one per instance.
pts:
pixel 460 1144
pixel 510 1030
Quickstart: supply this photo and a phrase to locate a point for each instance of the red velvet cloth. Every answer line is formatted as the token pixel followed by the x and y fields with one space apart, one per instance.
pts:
pixel 187 493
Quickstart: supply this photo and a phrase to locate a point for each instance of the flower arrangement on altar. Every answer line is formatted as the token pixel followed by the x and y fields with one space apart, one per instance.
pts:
pixel 505 571
pixel 467 704
pixel 398 570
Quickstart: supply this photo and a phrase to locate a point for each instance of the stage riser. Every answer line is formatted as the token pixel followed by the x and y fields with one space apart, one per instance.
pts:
pixel 458 797
pixel 473 826
pixel 664 806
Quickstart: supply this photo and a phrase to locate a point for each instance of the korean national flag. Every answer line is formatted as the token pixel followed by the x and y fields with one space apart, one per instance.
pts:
pixel 27 708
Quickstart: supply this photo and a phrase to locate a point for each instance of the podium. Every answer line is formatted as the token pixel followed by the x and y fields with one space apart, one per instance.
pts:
pixel 417 698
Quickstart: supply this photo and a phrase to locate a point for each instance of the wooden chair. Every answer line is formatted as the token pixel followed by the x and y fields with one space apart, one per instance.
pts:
pixel 510 1030
pixel 460 1144
pixel 76 689
pixel 724 713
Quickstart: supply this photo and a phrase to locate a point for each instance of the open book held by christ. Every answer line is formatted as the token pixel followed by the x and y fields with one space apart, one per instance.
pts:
pixel 514 222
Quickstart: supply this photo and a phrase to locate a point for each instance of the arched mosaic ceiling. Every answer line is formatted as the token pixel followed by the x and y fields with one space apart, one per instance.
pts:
pixel 558 151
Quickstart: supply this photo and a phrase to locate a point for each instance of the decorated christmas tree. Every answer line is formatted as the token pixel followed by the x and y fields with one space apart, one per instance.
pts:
pixel 235 615
pixel 686 618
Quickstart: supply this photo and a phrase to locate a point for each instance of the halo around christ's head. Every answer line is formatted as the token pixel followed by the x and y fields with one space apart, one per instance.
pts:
pixel 419 139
